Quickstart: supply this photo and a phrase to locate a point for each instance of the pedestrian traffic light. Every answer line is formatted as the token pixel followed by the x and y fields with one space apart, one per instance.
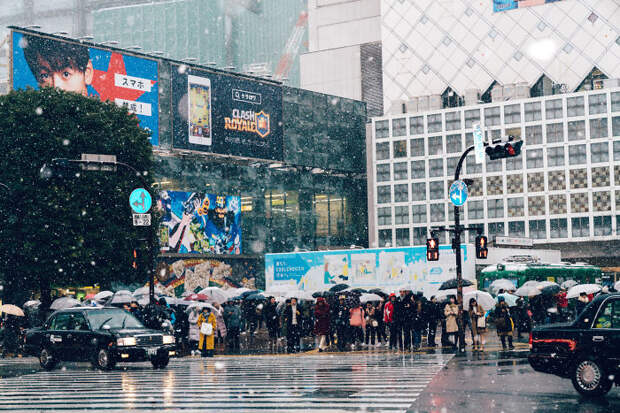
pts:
pixel 481 247
pixel 508 149
pixel 432 249
pixel 137 259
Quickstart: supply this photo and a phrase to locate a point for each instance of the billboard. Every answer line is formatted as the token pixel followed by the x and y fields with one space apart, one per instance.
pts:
pixel 504 5
pixel 199 223
pixel 387 268
pixel 128 81
pixel 225 114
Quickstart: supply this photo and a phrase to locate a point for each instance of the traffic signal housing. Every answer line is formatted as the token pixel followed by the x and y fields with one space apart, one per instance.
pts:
pixel 481 247
pixel 432 249
pixel 502 150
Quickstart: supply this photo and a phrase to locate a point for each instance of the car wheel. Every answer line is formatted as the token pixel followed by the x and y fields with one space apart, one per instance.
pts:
pixel 589 378
pixel 47 360
pixel 160 362
pixel 103 360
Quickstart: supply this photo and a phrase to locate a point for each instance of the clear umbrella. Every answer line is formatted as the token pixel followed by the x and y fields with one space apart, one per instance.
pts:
pixel 544 284
pixel 568 284
pixel 574 292
pixel 65 302
pixel 510 299
pixel 527 291
pixel 483 298
pixel 215 294
pixel 501 284
pixel 122 297
pixel 369 297
pixel 103 295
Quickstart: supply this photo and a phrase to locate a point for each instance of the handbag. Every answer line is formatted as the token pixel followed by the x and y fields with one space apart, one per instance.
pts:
pixel 375 323
pixel 206 328
pixel 481 322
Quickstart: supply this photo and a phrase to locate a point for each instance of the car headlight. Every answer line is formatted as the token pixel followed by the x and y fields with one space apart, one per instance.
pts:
pixel 126 341
pixel 169 340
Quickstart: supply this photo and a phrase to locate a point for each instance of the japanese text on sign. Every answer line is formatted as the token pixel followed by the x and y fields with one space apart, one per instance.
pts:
pixel 131 82
pixel 244 96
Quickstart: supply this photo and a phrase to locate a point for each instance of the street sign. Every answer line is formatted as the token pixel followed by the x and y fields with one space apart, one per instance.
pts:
pixel 141 220
pixel 458 193
pixel 478 143
pixel 140 201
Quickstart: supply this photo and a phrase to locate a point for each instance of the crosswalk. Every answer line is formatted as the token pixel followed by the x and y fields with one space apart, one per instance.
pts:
pixel 327 382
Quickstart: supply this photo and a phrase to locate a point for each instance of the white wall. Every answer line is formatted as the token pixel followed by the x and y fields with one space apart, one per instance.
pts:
pixel 497 255
pixel 335 72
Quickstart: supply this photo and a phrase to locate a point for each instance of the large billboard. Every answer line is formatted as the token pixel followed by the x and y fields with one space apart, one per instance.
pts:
pixel 387 268
pixel 226 114
pixel 200 223
pixel 504 5
pixel 129 81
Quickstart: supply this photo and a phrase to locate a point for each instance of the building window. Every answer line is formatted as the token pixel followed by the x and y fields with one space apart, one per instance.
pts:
pixel 417 147
pixel 615 102
pixel 597 103
pixel 384 216
pixel 602 226
pixel 416 125
pixel 492 116
pixel 532 111
pixel 516 229
pixel 436 190
pixel 384 194
pixel 382 129
pixel 402 237
pixel 512 114
pixel 401 193
pixel 577 154
pixel 534 158
pixel 536 205
pixel 399 127
pixel 454 144
pixel 418 191
pixel 495 208
pixel 615 126
pixel 475 210
pixel 385 238
pixel 618 223
pixel 438 213
pixel 451 165
pixel 435 168
pixel 435 145
pixel 471 117
pixel 401 215
pixel 495 185
pixel 434 123
pixel 598 128
pixel 473 233
pixel 515 207
pixel 400 171
pixel 419 236
pixel 599 152
pixel 383 151
pixel 576 130
pixel 496 229
pixel 453 120
pixel 533 135
pixel 553 109
pixel 538 229
pixel 555 156
pixel 575 106
pixel 383 172
pixel 495 165
pixel 471 167
pixel 555 132
pixel 418 213
pixel 616 150
pixel 399 149
pixel 418 170
pixel 559 228
pixel 580 227
pixel 514 163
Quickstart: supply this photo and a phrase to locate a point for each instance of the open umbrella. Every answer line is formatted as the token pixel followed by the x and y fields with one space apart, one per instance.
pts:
pixel 551 289
pixel 365 298
pixel 300 295
pixel 378 291
pixel 510 299
pixel 249 292
pixel 530 283
pixel 406 287
pixel 617 286
pixel 199 305
pixel 145 291
pixel 527 291
pixel 447 285
pixel 443 294
pixel 568 284
pixel 338 287
pixel 197 297
pixel 121 297
pixel 64 302
pixel 11 309
pixel 483 298
pixel 357 290
pixel 32 303
pixel 501 284
pixel 544 284
pixel 574 292
pixel 255 297
pixel 103 295
pixel 216 294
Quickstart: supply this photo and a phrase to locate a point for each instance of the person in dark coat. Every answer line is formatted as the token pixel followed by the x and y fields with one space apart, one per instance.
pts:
pixel 342 323
pixel 272 321
pixel 293 317
pixel 408 315
pixel 381 337
pixel 322 322
pixel 417 320
pixel 433 316
pixel 503 322
pixel 232 319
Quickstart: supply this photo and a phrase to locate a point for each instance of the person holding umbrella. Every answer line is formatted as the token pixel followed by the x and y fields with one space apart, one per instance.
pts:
pixel 477 323
pixel 342 323
pixel 232 318
pixel 451 312
pixel 321 325
pixel 293 317
pixel 388 319
pixel 503 322
pixel 207 325
pixel 270 314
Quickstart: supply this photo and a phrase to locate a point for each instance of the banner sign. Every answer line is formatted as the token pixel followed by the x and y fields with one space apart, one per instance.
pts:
pixel 226 114
pixel 200 223
pixel 505 5
pixel 388 268
pixel 109 76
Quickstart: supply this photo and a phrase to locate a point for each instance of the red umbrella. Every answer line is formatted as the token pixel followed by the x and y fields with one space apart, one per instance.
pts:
pixel 197 297
pixel 89 296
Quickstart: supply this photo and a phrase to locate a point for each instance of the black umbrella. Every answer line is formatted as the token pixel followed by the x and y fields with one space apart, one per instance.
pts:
pixel 378 291
pixel 450 284
pixel 318 294
pixel 358 290
pixel 251 292
pixel 551 290
pixel 255 297
pixel 338 287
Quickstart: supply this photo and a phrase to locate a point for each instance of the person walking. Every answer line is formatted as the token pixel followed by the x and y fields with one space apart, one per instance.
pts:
pixel 371 324
pixel 388 319
pixel 432 317
pixel 381 337
pixel 503 322
pixel 342 323
pixel 322 322
pixel 357 323
pixel 207 325
pixel 451 312
pixel 293 318
pixel 477 323
pixel 232 318
pixel 272 321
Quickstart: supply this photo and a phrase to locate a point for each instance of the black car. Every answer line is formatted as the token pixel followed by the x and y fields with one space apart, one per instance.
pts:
pixel 103 336
pixel 587 350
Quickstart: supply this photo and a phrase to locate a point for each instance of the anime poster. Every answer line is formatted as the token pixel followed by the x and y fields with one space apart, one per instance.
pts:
pixel 200 223
pixel 363 266
pixel 128 81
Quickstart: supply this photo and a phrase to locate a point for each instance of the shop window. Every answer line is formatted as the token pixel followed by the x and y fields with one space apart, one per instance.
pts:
pixel 538 229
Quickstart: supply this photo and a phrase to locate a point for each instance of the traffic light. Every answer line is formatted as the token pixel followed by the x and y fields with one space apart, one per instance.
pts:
pixel 508 149
pixel 137 259
pixel 432 249
pixel 481 247
pixel 134 263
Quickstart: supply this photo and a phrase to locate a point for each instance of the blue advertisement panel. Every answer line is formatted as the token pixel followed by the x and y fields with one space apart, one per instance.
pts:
pixel 387 268
pixel 505 5
pixel 109 76
pixel 225 114
pixel 200 223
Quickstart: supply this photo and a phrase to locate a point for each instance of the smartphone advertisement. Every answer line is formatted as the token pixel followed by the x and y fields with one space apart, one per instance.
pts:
pixel 226 114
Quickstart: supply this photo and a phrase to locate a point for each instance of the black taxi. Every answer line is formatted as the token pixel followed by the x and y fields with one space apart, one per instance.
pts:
pixel 103 336
pixel 587 350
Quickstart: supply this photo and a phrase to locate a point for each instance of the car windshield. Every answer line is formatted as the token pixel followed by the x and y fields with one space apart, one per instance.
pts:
pixel 115 318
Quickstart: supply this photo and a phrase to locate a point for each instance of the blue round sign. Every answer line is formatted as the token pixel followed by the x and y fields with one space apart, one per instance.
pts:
pixel 458 193
pixel 140 201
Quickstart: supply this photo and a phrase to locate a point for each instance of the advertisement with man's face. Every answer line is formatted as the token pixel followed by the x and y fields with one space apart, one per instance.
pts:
pixel 109 76
pixel 200 223
pixel 226 114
